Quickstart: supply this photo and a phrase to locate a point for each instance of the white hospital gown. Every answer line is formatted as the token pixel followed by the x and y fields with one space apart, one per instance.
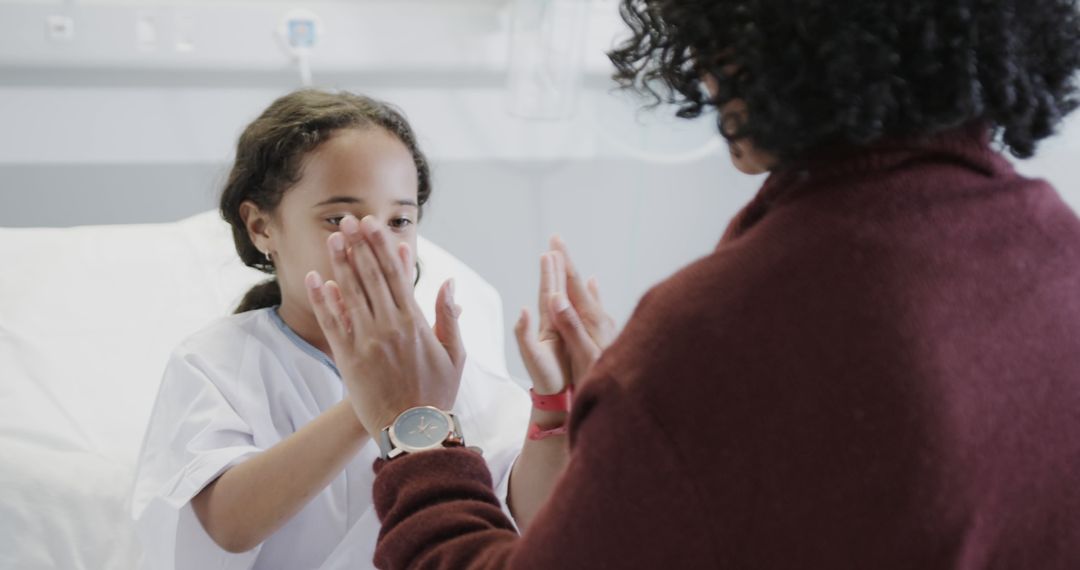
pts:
pixel 242 385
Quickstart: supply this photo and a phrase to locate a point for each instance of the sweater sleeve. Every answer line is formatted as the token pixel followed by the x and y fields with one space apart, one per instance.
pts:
pixel 623 502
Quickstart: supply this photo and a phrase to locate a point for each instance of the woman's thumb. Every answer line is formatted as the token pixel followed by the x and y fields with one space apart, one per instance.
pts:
pixel 446 323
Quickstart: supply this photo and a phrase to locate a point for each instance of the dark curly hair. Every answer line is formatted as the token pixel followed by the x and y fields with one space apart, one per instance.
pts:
pixel 816 73
pixel 270 156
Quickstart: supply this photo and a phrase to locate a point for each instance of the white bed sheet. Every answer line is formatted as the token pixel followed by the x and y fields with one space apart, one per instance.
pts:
pixel 88 316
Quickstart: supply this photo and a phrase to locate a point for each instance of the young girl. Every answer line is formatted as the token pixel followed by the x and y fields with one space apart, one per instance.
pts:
pixel 253 459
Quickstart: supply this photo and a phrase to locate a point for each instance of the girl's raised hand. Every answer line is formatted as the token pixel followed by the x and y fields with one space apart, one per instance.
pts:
pixel 573 330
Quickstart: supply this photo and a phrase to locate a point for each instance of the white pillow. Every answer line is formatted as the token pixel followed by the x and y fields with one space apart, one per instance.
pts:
pixel 88 316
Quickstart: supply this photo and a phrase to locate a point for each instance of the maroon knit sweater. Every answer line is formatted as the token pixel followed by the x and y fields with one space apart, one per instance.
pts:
pixel 878 368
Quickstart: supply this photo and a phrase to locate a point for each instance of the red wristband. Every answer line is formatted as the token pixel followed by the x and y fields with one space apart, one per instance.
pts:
pixel 552 402
pixel 538 433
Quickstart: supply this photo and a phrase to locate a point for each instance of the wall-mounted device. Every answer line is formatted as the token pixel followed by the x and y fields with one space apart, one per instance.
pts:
pixel 299 32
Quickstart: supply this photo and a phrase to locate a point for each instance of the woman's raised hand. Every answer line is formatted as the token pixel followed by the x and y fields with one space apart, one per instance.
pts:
pixel 389 359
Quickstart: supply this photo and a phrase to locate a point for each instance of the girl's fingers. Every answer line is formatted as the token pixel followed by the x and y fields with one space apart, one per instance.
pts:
pixel 576 288
pixel 559 260
pixel 548 286
pixel 545 379
pixel 350 288
pixel 526 342
pixel 526 339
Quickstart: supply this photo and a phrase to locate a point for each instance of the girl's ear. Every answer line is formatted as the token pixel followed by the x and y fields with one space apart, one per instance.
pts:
pixel 257 223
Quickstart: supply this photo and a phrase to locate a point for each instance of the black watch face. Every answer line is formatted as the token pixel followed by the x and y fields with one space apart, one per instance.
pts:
pixel 421 428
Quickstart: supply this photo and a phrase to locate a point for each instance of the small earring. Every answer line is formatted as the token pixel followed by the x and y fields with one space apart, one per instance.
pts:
pixel 269 259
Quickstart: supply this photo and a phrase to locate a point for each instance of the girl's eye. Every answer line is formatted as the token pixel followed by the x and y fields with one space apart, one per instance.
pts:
pixel 400 223
pixel 336 220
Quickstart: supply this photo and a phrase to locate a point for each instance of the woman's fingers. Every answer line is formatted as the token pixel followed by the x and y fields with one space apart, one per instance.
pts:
pixel 579 344
pixel 368 271
pixel 395 361
pixel 352 293
pixel 605 331
pixel 594 290
pixel 332 292
pixel 323 307
pixel 446 324
pixel 325 298
pixel 585 297
pixel 394 274
pixel 405 258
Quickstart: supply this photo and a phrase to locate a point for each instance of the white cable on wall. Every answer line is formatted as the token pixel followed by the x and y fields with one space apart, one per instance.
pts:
pixel 303 62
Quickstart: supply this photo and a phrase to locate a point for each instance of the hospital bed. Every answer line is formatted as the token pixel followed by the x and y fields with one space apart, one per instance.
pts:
pixel 88 316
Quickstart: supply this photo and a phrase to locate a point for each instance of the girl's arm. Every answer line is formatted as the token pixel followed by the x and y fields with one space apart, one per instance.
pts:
pixel 250 501
pixel 537 469
pixel 573 331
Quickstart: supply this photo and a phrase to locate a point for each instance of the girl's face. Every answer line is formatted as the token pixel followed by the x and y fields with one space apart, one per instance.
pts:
pixel 363 172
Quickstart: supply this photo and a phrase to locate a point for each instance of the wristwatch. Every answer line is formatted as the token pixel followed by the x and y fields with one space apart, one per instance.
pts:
pixel 420 429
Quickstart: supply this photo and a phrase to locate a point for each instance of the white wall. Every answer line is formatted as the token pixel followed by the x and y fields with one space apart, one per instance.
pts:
pixel 99 132
pixel 629 222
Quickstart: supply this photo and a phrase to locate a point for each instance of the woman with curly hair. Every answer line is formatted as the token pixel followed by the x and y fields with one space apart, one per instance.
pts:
pixel 877 367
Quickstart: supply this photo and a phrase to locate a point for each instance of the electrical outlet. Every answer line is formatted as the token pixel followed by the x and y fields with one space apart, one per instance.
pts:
pixel 60 28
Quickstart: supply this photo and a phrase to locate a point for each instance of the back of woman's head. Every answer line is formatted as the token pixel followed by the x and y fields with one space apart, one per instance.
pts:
pixel 270 157
pixel 814 73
